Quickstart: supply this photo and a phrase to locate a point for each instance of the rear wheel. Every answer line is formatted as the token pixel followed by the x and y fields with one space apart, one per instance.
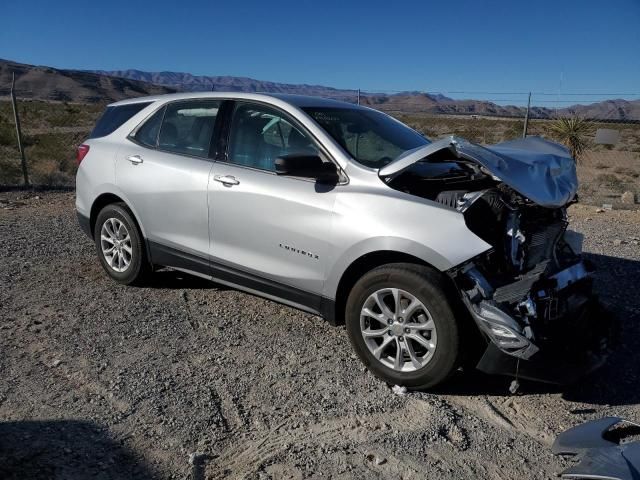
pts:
pixel 402 327
pixel 119 245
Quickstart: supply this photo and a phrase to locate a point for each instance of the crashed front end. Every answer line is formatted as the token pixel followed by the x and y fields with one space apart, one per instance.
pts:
pixel 531 293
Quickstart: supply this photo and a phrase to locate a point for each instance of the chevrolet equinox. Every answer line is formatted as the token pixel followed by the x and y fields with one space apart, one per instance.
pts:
pixel 435 255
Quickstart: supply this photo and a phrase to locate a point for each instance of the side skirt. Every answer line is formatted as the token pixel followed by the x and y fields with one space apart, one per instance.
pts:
pixel 245 281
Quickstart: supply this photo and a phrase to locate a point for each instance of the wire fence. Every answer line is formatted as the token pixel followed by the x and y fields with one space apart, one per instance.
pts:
pixel 602 106
pixel 609 168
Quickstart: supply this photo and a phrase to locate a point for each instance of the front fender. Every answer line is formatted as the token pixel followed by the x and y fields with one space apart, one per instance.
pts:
pixel 365 223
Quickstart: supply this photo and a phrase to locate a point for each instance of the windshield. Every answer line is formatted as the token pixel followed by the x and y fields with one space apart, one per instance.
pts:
pixel 371 138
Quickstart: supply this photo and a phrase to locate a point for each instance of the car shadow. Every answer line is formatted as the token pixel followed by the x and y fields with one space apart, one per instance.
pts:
pixel 175 280
pixel 70 449
pixel 616 383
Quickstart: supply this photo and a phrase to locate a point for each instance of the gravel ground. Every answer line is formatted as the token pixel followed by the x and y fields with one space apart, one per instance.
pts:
pixel 104 381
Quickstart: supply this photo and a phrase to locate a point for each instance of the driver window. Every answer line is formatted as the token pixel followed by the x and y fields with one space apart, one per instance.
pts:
pixel 260 134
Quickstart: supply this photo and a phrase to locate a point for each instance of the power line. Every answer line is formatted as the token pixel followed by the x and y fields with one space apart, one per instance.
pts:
pixel 479 92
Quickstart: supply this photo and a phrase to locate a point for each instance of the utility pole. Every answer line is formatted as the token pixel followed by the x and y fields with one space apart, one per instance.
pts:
pixel 358 96
pixel 526 118
pixel 25 174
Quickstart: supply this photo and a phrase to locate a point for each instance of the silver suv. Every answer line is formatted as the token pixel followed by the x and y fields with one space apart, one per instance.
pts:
pixel 436 255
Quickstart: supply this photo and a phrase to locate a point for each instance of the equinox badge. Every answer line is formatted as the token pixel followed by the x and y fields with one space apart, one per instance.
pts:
pixel 297 250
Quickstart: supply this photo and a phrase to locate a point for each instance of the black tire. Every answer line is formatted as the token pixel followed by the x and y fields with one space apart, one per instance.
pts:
pixel 427 286
pixel 138 269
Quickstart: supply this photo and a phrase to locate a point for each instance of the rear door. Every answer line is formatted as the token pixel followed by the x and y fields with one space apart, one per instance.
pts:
pixel 164 172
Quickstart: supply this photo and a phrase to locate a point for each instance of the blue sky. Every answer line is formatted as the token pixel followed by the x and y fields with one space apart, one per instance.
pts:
pixel 450 46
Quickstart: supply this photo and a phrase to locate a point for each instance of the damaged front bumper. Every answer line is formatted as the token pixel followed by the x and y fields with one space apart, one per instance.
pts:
pixel 547 328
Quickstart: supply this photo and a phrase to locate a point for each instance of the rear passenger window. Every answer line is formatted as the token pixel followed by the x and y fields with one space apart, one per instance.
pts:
pixel 114 117
pixel 147 134
pixel 188 127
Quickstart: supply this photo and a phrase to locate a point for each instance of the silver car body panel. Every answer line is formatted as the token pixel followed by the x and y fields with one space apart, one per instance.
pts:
pixel 169 193
pixel 542 171
pixel 98 175
pixel 272 226
pixel 371 217
pixel 603 447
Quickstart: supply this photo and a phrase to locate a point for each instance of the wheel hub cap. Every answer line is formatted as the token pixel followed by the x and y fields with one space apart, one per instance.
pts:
pixel 397 328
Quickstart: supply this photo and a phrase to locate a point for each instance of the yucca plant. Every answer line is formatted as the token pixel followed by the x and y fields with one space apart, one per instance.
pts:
pixel 573 132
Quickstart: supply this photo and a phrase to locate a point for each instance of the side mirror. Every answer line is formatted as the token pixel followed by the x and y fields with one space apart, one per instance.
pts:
pixel 307 166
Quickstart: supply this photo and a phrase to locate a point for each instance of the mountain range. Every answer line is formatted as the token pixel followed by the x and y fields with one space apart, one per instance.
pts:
pixel 47 83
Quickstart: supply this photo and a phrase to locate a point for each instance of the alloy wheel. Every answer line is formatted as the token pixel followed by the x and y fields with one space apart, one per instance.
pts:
pixel 115 242
pixel 398 329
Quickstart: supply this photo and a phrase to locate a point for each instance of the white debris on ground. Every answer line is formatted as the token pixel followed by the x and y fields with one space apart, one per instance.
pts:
pixel 399 390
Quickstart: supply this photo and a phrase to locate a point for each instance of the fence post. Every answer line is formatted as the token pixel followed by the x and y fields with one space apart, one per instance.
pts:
pixel 526 118
pixel 25 173
pixel 358 96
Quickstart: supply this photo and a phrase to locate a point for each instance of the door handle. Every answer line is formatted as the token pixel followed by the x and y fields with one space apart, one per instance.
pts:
pixel 226 179
pixel 135 159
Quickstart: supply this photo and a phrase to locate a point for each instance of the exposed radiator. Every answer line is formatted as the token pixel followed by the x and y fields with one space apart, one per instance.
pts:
pixel 540 242
pixel 521 287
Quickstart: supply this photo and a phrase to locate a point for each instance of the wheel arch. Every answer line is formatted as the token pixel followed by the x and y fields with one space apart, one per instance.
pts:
pixel 473 342
pixel 364 264
pixel 105 199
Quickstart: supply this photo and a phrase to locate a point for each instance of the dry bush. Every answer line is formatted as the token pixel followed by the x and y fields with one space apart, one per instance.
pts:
pixel 51 133
pixel 574 132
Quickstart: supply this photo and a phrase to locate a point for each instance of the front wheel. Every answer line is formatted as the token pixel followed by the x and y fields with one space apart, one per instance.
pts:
pixel 402 327
pixel 119 245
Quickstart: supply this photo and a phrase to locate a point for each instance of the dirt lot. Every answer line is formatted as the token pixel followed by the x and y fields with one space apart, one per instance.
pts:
pixel 104 381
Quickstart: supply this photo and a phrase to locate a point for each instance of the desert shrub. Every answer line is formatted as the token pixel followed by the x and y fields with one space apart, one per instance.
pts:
pixel 10 171
pixel 627 171
pixel 610 180
pixel 601 166
pixel 7 129
pixel 54 178
pixel 7 135
pixel 514 130
pixel 472 133
pixel 574 133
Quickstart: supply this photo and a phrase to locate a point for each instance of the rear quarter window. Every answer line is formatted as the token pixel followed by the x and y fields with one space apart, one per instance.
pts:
pixel 114 117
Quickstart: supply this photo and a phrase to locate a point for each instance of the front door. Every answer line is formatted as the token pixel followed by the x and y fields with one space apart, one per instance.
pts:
pixel 272 231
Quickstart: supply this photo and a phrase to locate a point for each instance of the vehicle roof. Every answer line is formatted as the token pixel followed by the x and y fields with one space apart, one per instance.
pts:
pixel 295 100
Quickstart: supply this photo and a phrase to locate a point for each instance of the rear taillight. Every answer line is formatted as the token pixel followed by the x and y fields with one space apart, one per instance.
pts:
pixel 81 152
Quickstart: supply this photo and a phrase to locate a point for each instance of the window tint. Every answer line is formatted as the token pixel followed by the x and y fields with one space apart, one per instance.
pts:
pixel 114 117
pixel 372 138
pixel 260 134
pixel 188 126
pixel 147 134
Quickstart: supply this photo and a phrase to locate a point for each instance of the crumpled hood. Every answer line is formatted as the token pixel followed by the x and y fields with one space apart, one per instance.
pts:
pixel 538 169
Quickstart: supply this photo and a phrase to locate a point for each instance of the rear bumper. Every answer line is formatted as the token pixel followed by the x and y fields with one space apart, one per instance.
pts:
pixel 85 224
